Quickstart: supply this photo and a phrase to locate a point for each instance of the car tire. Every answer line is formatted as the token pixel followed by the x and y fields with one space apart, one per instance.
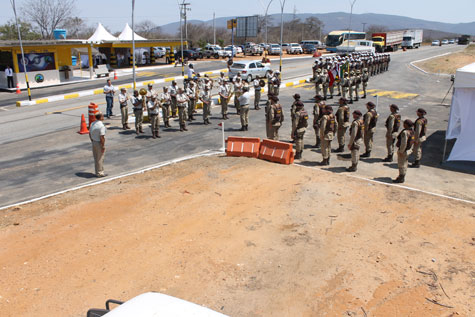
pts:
pixel 249 78
pixel 216 55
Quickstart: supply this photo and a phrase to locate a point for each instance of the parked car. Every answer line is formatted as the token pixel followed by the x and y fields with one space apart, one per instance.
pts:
pixel 253 49
pixel 199 51
pixel 237 49
pixel 435 43
pixel 294 48
pixel 356 46
pixel 285 46
pixel 159 52
pixel 452 41
pixel 187 54
pixel 249 70
pixel 445 42
pixel 215 51
pixel 274 49
pixel 309 48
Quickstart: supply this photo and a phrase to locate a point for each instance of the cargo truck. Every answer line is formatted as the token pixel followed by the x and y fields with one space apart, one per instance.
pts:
pixel 464 40
pixel 412 39
pixel 387 41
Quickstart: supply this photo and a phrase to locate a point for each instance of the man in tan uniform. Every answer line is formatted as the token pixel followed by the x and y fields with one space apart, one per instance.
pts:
pixel 224 98
pixel 318 112
pixel 393 122
pixel 182 102
pixel 327 132
pixel 356 140
pixel 420 135
pixel 343 120
pixel 404 143
pixel 205 97
pixel 293 115
pixel 301 118
pixel 370 120
pixel 275 116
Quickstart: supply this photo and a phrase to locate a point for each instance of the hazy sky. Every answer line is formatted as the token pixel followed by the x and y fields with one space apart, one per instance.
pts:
pixel 114 14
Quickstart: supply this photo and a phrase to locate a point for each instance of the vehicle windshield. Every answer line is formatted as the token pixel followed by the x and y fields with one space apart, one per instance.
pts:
pixel 407 38
pixel 377 39
pixel 334 40
pixel 275 45
pixel 239 66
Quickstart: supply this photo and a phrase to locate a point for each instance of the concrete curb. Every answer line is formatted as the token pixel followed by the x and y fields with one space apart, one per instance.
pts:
pixel 425 59
pixel 99 91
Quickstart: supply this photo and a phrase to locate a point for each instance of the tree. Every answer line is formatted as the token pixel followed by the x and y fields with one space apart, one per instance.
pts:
pixel 47 15
pixel 148 29
pixel 374 28
pixel 313 28
pixel 9 31
pixel 75 27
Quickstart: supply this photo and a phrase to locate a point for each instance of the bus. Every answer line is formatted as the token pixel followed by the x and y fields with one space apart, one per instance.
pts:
pixel 335 38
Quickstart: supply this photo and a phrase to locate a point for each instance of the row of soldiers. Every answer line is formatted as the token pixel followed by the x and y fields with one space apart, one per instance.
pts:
pixel 361 131
pixel 355 69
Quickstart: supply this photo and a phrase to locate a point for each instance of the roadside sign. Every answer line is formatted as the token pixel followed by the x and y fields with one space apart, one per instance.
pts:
pixel 232 24
pixel 247 26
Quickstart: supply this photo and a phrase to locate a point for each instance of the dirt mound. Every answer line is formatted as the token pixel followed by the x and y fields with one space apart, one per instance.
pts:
pixel 244 237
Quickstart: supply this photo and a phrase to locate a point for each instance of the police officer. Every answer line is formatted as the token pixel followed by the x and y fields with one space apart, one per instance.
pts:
pixel 357 84
pixel 293 115
pixel 223 99
pixel 138 107
pixel 275 117
pixel 327 132
pixel 364 81
pixel 370 120
pixel 238 86
pixel 173 93
pixel 191 93
pixel 256 83
pixel 318 82
pixel 356 140
pixel 343 120
pixel 244 100
pixel 276 83
pixel 301 119
pixel 404 144
pixel 153 108
pixel 150 93
pixel 182 102
pixel 352 86
pixel 325 83
pixel 393 122
pixel 124 109
pixel 165 101
pixel 345 85
pixel 318 112
pixel 205 98
pixel 420 135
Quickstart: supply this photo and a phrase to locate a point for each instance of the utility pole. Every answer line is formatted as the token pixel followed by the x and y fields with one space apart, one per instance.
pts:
pixel 133 45
pixel 352 3
pixel 364 25
pixel 214 29
pixel 183 9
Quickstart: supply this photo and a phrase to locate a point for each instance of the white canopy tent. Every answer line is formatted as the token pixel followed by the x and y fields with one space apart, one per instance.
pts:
pixel 126 34
pixel 101 34
pixel 462 115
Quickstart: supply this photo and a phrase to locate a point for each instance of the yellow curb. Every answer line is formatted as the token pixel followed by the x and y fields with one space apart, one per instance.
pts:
pixel 97 91
pixel 71 96
pixel 169 79
pixel 44 100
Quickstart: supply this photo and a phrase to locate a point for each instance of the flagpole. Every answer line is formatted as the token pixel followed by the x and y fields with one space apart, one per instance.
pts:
pixel 222 131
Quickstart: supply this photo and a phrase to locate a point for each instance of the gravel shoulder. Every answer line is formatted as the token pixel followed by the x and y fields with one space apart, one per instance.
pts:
pixel 244 237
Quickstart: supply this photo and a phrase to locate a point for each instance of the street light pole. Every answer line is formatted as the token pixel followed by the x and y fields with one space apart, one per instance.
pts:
pixel 282 4
pixel 133 44
pixel 267 9
pixel 22 52
pixel 352 3
pixel 181 39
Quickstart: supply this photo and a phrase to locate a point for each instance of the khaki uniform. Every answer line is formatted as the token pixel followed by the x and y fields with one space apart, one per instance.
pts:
pixel 182 101
pixel 257 93
pixel 345 86
pixel 138 112
pixel 191 93
pixel 420 131
pixel 275 117
pixel 317 116
pixel 206 99
pixel 393 123
pixel 370 120
pixel 404 144
pixel 318 83
pixel 352 87
pixel 237 93
pixel 325 83
pixel 357 79
pixel 364 82
pixel 124 109
pixel 294 118
pixel 301 128
pixel 223 99
pixel 173 91
pixel 356 140
pixel 165 101
pixel 327 132
pixel 153 108
pixel 343 120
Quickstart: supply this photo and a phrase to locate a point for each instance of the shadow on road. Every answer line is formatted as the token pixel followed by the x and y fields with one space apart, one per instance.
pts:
pixel 85 175
pixel 388 180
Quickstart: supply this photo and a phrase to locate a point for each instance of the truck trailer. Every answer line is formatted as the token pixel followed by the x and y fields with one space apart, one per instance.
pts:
pixel 412 39
pixel 387 41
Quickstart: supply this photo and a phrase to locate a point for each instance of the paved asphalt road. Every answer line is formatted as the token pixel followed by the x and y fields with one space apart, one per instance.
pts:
pixel 42 153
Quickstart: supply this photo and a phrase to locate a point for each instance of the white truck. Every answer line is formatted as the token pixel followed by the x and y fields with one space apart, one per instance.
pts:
pixel 412 39
pixel 215 51
pixel 253 49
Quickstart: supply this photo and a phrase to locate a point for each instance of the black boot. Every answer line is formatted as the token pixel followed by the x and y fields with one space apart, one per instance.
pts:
pixel 246 127
pixel 340 149
pixel 351 101
pixel 400 179
pixel 364 96
pixel 416 164
pixel 352 168
pixel 366 154
pixel 325 162
pixel 317 145
pixel 242 129
pixel 389 158
pixel 298 155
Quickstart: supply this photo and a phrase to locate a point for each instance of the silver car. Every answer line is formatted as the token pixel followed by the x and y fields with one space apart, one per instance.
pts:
pixel 249 70
pixel 274 49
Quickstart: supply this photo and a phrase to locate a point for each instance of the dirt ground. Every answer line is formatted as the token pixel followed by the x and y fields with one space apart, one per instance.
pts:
pixel 244 237
pixel 448 64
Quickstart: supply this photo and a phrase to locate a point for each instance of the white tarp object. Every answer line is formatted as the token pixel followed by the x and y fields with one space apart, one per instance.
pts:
pixel 126 35
pixel 462 115
pixel 101 34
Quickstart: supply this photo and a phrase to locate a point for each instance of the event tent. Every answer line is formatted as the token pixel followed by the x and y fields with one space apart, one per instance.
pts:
pixel 101 34
pixel 462 115
pixel 126 34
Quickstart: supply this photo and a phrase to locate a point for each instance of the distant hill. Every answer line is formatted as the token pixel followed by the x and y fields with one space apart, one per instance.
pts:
pixel 340 20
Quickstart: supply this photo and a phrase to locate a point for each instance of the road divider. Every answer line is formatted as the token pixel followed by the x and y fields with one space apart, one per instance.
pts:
pixel 92 92
pixel 242 146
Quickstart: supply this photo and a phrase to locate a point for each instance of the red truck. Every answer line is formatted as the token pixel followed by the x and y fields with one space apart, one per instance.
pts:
pixel 387 41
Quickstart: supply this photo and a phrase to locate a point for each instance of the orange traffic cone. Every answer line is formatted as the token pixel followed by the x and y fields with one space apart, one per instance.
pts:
pixel 18 91
pixel 115 75
pixel 83 127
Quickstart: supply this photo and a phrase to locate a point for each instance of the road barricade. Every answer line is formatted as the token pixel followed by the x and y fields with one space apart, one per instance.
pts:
pixel 92 110
pixel 276 151
pixel 241 146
